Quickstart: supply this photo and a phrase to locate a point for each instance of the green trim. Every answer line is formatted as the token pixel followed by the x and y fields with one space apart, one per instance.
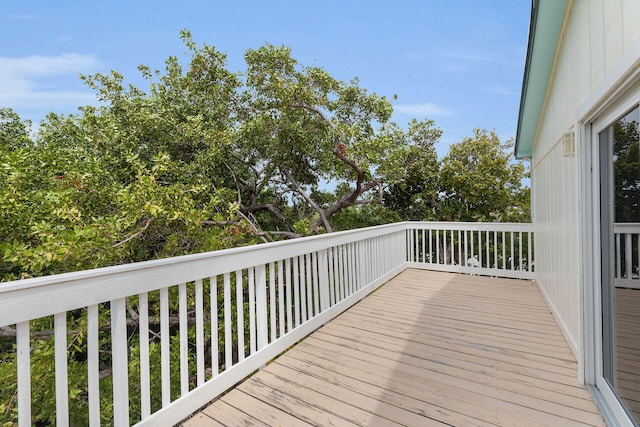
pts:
pixel 547 17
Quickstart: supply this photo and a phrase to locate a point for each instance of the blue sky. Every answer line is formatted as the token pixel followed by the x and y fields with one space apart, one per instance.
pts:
pixel 458 62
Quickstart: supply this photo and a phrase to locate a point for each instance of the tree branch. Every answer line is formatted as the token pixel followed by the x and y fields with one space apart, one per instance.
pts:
pixel 288 234
pixel 271 207
pixel 298 188
pixel 133 236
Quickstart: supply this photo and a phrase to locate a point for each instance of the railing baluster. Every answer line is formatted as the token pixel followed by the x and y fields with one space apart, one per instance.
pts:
pixel 228 337
pixel 261 306
pixel 296 288
pixel 323 280
pixel 529 251
pixel 213 302
pixel 23 348
pixel 453 252
pixel 165 349
pixel 363 272
pixel 332 278
pixel 430 245
pixel 512 262
pixel 504 251
pixel 303 289
pixel 445 247
pixel 345 266
pixel 199 333
pixel 184 344
pixel 638 251
pixel 240 314
pixel 473 244
pixel 309 287
pixel 290 321
pixel 466 248
pixel 120 374
pixel 281 297
pixel 520 250
pixel 315 266
pixel 487 249
pixel 93 366
pixel 460 262
pixel 618 257
pixel 495 249
pixel 145 378
pixel 352 270
pixel 628 256
pixel 62 389
pixel 340 273
pixel 252 310
pixel 272 301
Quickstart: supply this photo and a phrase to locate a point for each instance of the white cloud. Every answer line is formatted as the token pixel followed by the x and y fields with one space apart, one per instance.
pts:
pixel 23 81
pixel 39 65
pixel 426 109
pixel 23 17
pixel 476 56
pixel 500 90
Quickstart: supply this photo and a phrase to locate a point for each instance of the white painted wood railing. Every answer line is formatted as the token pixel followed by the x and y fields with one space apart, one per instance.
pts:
pixel 491 249
pixel 204 322
pixel 627 255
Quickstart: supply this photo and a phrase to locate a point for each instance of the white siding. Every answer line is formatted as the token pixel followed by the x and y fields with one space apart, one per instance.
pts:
pixel 594 40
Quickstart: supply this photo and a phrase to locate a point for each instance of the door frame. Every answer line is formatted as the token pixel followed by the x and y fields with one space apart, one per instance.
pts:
pixel 615 105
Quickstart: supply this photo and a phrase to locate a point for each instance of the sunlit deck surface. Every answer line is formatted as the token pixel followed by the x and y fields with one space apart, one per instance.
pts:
pixel 427 348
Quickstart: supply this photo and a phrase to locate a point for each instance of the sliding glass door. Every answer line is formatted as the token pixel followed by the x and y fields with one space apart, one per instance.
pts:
pixel 619 152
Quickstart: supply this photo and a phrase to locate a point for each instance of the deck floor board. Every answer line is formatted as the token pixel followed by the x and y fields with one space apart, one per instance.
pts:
pixel 426 349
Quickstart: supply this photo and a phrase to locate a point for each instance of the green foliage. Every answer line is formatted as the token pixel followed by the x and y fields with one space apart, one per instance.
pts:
pixel 14 133
pixel 626 165
pixel 480 182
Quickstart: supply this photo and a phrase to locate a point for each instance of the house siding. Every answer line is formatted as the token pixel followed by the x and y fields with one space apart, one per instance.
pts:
pixel 595 38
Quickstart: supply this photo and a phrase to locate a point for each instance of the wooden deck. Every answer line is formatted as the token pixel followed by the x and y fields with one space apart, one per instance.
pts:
pixel 628 348
pixel 426 349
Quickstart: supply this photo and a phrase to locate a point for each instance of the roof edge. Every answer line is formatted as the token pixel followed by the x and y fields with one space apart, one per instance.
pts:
pixel 545 29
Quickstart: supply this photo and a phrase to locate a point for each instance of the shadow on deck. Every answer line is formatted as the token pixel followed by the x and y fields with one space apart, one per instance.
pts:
pixel 427 348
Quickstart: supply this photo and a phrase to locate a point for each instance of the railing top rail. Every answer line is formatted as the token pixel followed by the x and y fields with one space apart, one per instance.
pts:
pixel 629 227
pixel 32 298
pixel 474 226
pixel 317 243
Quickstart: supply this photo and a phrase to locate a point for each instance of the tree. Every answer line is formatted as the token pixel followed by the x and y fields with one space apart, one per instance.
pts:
pixel 626 171
pixel 416 196
pixel 301 128
pixel 480 182
pixel 14 133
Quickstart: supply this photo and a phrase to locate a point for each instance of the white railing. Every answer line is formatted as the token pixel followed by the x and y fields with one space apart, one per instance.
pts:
pixel 491 249
pixel 165 337
pixel 627 255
